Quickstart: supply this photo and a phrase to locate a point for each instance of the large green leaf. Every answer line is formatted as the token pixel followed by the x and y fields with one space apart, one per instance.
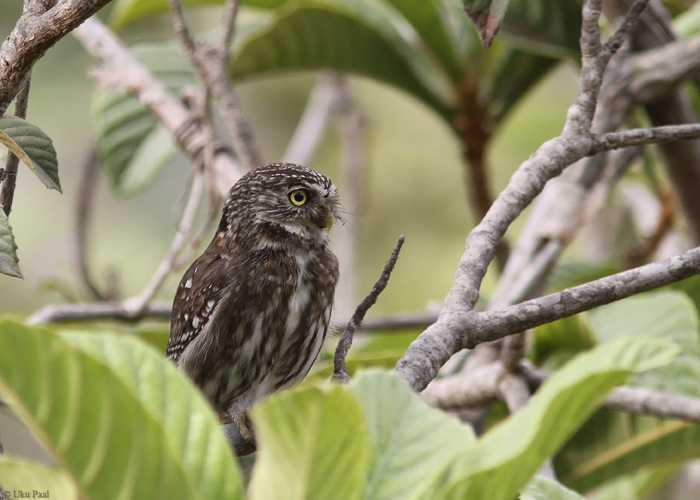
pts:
pixel 412 443
pixel 9 262
pixel 549 27
pixel 126 12
pixel 34 480
pixel 336 37
pixel 121 421
pixel 542 488
pixel 613 443
pixel 131 144
pixel 312 444
pixel 505 458
pixel 425 17
pixel 33 147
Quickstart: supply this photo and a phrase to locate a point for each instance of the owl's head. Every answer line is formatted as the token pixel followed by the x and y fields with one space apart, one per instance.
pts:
pixel 284 201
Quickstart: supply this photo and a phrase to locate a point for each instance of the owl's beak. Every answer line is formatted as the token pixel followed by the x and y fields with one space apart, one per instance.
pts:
pixel 327 219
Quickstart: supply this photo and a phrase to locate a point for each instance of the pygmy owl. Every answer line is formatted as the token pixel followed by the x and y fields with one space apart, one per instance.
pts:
pixel 251 313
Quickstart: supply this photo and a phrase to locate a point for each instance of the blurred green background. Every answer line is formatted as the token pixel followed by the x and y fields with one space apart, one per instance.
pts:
pixel 414 180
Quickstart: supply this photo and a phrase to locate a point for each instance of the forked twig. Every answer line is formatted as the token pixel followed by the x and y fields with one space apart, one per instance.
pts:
pixel 340 371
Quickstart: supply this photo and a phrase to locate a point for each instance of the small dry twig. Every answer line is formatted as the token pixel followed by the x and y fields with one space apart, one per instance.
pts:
pixel 340 372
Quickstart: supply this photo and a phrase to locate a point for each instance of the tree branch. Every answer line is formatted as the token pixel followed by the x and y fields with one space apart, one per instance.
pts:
pixel 492 325
pixel 36 31
pixel 211 64
pixel 137 304
pixel 313 122
pixel 340 371
pixel 437 343
pixel 57 313
pixel 122 71
pixel 636 399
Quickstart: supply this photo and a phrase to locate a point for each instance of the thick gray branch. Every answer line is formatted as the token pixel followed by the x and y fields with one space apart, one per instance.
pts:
pixel 35 32
pixel 121 70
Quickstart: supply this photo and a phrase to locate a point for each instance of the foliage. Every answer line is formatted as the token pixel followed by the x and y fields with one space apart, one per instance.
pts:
pixel 35 149
pixel 83 394
pixel 115 415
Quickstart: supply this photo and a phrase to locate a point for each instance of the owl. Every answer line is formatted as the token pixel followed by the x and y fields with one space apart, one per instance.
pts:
pixel 251 313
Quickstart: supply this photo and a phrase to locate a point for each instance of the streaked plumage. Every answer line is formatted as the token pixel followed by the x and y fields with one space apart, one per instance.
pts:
pixel 251 313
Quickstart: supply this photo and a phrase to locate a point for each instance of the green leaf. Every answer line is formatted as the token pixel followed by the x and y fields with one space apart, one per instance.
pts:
pixel 507 456
pixel 121 421
pixel 542 488
pixel 666 314
pixel 412 443
pixel 568 335
pixel 687 24
pixel 548 27
pixel 131 144
pixel 512 73
pixel 126 12
pixel 425 17
pixel 33 147
pixel 312 443
pixel 34 480
pixel 9 262
pixel 486 16
pixel 613 443
pixel 337 37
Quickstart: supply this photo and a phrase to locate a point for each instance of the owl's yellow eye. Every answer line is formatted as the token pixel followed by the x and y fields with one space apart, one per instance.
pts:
pixel 298 197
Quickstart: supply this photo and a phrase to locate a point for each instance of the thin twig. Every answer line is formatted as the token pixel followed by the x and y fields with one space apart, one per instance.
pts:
pixel 213 69
pixel 228 27
pixel 313 122
pixel 83 210
pixel 644 136
pixel 57 313
pixel 136 305
pixel 351 127
pixel 7 194
pixel 340 372
pixel 122 71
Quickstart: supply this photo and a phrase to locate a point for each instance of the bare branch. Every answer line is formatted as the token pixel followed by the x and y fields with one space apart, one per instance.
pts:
pixel 58 313
pixel 213 70
pixel 473 390
pixel 351 124
pixel 637 399
pixel 656 71
pixel 228 25
pixel 514 391
pixel 36 31
pixel 84 209
pixel 644 136
pixel 454 328
pixel 121 70
pixel 340 372
pixel 492 325
pixel 7 194
pixel 313 122
pixel 136 305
